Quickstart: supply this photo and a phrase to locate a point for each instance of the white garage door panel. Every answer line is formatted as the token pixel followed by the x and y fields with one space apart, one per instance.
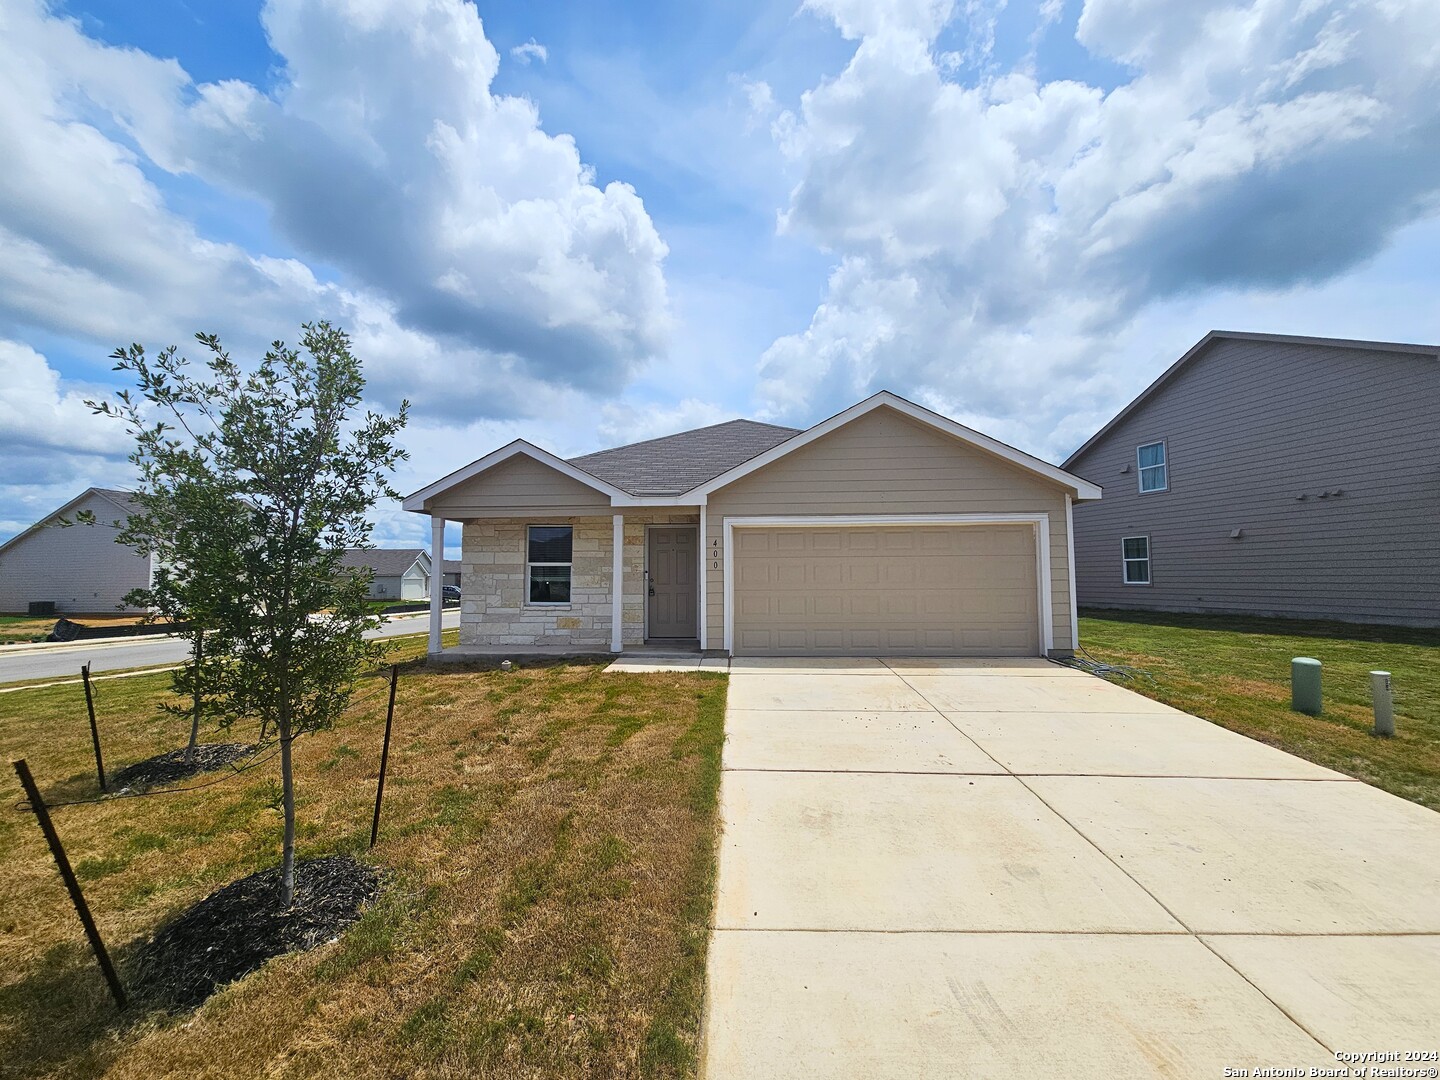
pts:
pixel 901 590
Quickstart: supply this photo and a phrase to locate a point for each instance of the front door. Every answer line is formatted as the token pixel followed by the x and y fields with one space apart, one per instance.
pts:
pixel 672 561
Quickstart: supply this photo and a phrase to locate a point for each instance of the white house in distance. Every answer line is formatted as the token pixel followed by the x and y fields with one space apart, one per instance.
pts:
pixel 400 573
pixel 885 530
pixel 81 570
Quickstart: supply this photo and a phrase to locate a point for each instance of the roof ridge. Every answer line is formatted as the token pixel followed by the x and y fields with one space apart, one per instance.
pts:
pixel 1204 344
pixel 687 431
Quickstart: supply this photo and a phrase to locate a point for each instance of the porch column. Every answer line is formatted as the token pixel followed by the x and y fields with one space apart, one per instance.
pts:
pixel 437 579
pixel 617 588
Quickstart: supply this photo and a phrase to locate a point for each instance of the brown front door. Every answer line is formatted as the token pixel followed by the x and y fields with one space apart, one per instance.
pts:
pixel 672 561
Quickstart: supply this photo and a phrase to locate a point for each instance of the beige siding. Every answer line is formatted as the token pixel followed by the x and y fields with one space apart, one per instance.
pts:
pixel 1249 428
pixel 82 569
pixel 891 591
pixel 521 487
pixel 886 463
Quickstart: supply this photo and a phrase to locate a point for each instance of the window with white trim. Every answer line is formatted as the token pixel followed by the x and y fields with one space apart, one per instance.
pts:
pixel 1135 556
pixel 548 554
pixel 1154 472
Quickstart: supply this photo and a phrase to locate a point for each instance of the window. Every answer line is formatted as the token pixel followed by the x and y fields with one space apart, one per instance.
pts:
pixel 1135 552
pixel 1153 473
pixel 547 563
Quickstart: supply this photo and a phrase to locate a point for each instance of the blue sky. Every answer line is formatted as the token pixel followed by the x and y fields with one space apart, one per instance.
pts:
pixel 589 223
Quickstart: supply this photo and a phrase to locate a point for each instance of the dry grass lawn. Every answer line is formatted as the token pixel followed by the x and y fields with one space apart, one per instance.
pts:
pixel 549 842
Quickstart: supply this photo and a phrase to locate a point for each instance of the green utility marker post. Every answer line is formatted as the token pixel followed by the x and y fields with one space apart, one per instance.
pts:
pixel 1305 685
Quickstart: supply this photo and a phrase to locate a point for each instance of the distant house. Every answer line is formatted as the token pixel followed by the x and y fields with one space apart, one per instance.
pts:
pixel 1271 475
pixel 451 570
pixel 81 570
pixel 400 573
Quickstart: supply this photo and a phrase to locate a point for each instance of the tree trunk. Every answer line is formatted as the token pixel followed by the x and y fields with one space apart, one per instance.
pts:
pixel 287 782
pixel 195 707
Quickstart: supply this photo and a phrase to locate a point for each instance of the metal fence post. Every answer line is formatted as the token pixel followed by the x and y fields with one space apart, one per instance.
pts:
pixel 57 850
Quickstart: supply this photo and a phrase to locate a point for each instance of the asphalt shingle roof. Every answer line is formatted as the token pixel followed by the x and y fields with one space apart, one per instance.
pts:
pixel 676 463
pixel 386 562
pixel 125 498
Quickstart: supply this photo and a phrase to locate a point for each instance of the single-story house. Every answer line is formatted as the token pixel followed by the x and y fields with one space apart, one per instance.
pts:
pixel 886 529
pixel 80 569
pixel 1266 474
pixel 451 570
pixel 399 573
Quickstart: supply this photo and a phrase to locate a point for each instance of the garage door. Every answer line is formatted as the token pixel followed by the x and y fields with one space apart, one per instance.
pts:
pixel 904 590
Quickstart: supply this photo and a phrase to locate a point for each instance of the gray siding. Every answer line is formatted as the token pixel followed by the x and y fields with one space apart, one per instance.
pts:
pixel 82 569
pixel 1250 427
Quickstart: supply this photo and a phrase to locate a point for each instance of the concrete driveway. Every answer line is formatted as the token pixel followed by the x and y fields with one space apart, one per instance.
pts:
pixel 1009 868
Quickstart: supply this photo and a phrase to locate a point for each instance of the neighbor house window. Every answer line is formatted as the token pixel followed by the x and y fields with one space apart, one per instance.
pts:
pixel 1135 551
pixel 1153 473
pixel 547 563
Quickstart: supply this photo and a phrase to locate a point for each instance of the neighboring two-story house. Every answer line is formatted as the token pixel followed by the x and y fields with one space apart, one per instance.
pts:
pixel 1271 475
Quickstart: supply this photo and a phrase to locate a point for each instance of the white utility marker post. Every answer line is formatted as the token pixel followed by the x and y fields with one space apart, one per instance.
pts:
pixel 1384 703
pixel 437 580
pixel 617 587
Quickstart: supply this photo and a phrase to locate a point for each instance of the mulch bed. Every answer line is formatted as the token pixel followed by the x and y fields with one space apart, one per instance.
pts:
pixel 171 768
pixel 237 928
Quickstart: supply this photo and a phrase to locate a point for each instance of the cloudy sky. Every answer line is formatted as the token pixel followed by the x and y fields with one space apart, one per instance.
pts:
pixel 587 222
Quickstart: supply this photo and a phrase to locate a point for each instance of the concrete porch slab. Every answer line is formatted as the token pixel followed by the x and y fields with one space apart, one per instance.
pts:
pixel 899 742
pixel 1165 743
pixel 855 851
pixel 1009 1006
pixel 834 691
pixel 1265 856
pixel 982 693
pixel 1355 993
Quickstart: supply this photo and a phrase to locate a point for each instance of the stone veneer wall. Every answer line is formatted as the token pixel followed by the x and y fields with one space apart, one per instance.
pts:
pixel 493 610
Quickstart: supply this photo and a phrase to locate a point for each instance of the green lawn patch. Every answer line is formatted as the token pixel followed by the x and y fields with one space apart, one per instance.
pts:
pixel 1235 671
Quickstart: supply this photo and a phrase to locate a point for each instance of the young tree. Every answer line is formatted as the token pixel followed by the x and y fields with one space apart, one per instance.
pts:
pixel 252 485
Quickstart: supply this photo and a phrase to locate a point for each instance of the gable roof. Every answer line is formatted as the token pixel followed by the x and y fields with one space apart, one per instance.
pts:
pixel 675 464
pixel 385 562
pixel 1203 345
pixel 123 501
pixel 1083 489
pixel 657 471
pixel 416 500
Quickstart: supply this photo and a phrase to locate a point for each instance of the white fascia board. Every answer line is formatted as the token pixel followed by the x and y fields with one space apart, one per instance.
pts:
pixel 416 502
pixel 688 499
pixel 1083 489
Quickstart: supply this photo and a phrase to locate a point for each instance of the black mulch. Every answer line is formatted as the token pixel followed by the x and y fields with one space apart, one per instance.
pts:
pixel 171 768
pixel 237 928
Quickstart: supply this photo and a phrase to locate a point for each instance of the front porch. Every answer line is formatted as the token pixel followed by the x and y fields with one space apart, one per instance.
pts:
pixel 556 585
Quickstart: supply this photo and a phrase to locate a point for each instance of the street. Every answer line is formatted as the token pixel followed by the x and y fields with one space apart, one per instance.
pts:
pixel 18 663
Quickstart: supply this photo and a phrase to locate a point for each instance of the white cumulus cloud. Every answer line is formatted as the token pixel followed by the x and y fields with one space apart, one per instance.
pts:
pixel 996 239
